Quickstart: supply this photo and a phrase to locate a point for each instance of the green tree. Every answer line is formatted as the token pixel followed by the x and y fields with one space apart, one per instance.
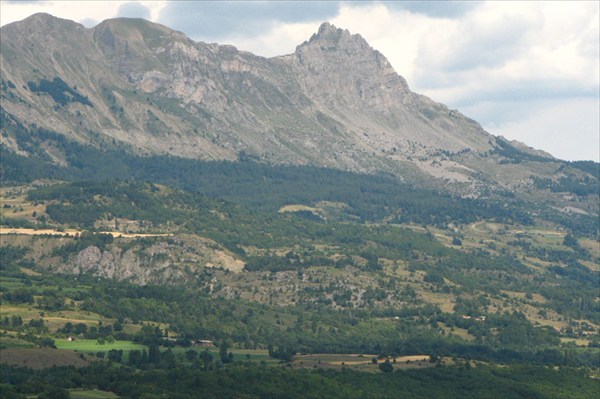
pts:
pixel 153 354
pixel 207 358
pixel 223 354
pixel 386 367
pixel 191 355
pixel 571 241
pixel 115 355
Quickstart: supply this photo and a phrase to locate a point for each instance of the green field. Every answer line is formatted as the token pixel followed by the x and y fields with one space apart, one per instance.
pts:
pixel 91 346
pixel 90 394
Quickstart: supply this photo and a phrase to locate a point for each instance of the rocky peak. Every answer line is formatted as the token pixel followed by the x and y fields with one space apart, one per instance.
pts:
pixel 350 69
pixel 337 48
pixel 329 34
pixel 331 39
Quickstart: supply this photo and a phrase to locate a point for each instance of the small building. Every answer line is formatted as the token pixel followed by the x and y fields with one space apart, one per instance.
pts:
pixel 202 342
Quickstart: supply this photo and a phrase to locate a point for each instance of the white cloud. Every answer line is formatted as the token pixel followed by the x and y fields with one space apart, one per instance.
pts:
pixel 84 12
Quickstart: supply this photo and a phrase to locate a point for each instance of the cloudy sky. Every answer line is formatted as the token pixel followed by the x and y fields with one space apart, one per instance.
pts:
pixel 525 70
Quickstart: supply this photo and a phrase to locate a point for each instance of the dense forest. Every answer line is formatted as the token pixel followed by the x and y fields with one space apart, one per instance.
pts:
pixel 251 381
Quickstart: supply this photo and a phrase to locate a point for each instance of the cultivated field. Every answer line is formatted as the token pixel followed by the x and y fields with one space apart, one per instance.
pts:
pixel 39 358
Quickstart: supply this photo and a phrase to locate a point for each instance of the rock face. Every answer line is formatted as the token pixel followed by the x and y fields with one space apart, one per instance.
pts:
pixel 161 263
pixel 119 265
pixel 177 260
pixel 334 102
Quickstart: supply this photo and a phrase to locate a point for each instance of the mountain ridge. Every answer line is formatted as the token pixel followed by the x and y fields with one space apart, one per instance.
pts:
pixel 153 91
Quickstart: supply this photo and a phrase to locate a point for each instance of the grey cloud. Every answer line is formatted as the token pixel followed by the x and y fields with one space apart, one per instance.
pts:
pixel 133 10
pixel 525 91
pixel 436 9
pixel 217 19
pixel 567 128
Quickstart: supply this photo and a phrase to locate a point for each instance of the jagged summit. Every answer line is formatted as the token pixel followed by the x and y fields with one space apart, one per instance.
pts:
pixel 330 37
pixel 328 28
pixel 329 33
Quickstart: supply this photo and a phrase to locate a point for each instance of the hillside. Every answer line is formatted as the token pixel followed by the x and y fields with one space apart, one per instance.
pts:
pixel 310 255
pixel 157 267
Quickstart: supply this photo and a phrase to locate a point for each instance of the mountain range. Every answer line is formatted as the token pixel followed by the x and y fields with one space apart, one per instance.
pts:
pixel 335 102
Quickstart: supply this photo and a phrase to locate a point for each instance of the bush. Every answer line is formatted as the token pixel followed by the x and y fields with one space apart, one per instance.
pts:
pixel 386 367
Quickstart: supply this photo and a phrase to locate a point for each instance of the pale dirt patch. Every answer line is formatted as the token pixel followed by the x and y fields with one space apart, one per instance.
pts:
pixel 521 295
pixel 73 232
pixel 296 208
pixel 459 332
pixel 551 318
pixel 413 358
pixel 445 302
pixel 537 262
pixel 351 362
pixel 591 245
pixel 447 170
pixel 590 265
pixel 55 323
pixel 222 259
pixel 55 320
pixel 578 341
pixel 29 272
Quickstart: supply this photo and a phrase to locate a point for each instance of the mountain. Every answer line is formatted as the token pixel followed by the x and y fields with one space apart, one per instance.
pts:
pixel 335 102
pixel 308 213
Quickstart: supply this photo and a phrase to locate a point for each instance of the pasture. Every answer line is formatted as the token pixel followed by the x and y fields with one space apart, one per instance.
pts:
pixel 92 346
